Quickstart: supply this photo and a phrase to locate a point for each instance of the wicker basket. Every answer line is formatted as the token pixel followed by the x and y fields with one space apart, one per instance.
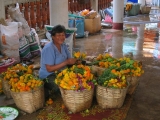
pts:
pixel 109 97
pixel 133 84
pixel 77 101
pixel 145 9
pixel 97 70
pixel 4 67
pixel 29 101
pixel 6 88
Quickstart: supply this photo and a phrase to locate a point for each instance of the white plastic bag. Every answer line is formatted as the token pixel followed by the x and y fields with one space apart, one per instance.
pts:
pixel 17 16
pixel 10 40
pixel 20 31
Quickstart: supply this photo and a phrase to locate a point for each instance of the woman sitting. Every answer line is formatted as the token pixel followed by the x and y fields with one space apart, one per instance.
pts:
pixel 55 56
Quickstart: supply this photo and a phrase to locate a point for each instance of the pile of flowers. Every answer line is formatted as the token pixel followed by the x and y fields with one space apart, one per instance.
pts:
pixel 125 65
pixel 21 78
pixel 77 77
pixel 26 82
pixel 16 71
pixel 112 78
pixel 130 67
pixel 116 71
pixel 104 60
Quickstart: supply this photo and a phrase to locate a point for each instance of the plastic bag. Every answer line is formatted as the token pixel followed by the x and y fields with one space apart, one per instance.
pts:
pixel 17 16
pixel 20 31
pixel 10 40
pixel 34 43
pixel 24 48
pixel 108 19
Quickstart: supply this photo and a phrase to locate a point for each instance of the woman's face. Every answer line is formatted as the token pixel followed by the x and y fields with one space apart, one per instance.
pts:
pixel 59 38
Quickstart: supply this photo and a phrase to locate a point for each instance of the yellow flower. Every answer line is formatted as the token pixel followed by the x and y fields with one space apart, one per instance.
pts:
pixel 83 55
pixel 64 71
pixel 77 55
pixel 60 74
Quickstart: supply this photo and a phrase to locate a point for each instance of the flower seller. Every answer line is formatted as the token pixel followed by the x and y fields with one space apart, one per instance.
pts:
pixel 55 56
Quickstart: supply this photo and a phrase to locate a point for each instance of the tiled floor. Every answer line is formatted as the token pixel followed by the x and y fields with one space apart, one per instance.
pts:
pixel 146 100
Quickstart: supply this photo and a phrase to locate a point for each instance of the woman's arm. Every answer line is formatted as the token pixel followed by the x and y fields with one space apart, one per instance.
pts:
pixel 51 68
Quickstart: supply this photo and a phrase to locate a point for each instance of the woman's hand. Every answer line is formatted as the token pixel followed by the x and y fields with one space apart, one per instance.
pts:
pixel 71 61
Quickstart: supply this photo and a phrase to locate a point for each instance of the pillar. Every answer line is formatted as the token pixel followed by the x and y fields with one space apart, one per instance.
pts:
pixel 2 9
pixel 58 12
pixel 142 2
pixel 139 40
pixel 94 5
pixel 140 37
pixel 118 14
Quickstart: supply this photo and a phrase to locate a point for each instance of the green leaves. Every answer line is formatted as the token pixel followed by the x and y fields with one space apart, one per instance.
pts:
pixel 79 70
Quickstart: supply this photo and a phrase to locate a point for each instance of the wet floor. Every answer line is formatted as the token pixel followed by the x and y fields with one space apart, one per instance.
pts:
pixel 140 41
pixel 145 105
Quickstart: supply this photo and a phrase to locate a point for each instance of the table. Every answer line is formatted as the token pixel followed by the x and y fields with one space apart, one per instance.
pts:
pixel 140 21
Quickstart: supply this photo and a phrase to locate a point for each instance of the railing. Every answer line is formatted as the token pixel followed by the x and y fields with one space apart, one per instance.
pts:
pixel 75 5
pixel 102 4
pixel 36 12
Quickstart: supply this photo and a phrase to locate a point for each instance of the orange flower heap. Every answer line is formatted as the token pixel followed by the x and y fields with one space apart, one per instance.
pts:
pixel 78 77
pixel 21 78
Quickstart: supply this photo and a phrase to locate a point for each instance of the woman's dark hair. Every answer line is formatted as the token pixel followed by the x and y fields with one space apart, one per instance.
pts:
pixel 58 29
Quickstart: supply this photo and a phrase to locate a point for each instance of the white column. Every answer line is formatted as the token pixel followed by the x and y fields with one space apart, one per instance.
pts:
pixel 117 46
pixel 58 12
pixel 139 40
pixel 2 9
pixel 142 2
pixel 140 37
pixel 118 14
pixel 94 5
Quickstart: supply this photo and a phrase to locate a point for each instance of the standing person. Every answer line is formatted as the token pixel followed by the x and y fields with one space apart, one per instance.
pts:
pixel 55 56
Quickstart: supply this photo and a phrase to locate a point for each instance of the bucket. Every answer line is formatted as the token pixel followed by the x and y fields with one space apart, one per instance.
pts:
pixel 71 23
pixel 79 24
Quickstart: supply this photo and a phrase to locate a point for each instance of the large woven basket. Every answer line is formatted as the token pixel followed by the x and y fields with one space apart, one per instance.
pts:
pixel 29 101
pixel 133 84
pixel 6 88
pixel 97 70
pixel 110 97
pixel 77 101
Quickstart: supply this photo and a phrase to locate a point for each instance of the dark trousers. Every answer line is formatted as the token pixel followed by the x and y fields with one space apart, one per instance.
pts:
pixel 50 86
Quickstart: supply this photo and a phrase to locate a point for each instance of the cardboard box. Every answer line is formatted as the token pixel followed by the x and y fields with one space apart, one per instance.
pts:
pixel 93 25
